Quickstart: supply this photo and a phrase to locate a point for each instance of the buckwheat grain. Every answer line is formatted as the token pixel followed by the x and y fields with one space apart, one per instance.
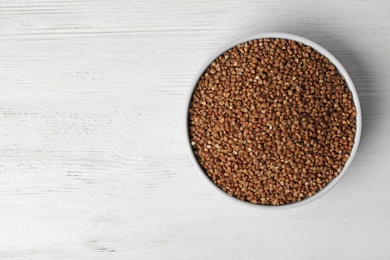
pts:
pixel 272 121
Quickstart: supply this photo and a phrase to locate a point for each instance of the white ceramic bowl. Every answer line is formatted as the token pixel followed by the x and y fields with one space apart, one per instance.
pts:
pixel 343 73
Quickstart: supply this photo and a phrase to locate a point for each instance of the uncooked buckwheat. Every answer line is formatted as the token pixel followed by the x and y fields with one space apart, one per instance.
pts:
pixel 272 121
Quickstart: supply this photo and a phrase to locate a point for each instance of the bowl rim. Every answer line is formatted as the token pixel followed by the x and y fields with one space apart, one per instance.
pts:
pixel 343 72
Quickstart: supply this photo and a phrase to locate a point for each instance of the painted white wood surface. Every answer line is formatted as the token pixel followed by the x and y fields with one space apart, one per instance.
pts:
pixel 93 159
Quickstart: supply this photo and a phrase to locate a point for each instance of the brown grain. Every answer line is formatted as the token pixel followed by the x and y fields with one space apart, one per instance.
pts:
pixel 272 121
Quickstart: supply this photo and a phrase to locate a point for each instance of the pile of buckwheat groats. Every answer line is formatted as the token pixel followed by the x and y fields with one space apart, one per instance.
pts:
pixel 271 121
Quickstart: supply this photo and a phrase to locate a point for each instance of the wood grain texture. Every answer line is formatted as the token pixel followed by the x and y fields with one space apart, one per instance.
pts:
pixel 93 156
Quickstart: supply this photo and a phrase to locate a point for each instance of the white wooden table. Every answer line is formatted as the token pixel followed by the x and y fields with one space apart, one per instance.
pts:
pixel 93 157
